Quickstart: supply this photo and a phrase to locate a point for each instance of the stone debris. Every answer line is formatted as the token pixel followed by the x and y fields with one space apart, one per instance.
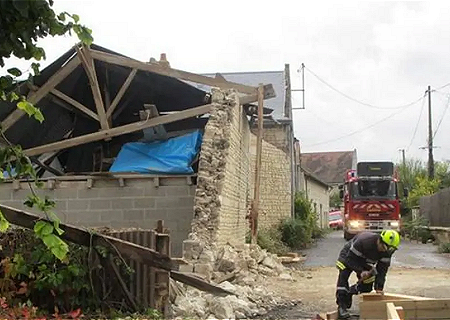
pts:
pixel 246 267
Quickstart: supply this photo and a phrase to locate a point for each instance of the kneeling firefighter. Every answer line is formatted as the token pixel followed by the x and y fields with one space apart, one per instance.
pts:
pixel 369 255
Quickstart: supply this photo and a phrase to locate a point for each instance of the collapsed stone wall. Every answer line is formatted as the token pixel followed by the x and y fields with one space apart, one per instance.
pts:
pixel 242 270
pixel 221 197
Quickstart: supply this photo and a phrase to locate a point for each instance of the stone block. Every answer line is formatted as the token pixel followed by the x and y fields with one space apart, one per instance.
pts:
pixel 204 269
pixel 99 204
pixel 192 249
pixel 134 214
pixel 122 203
pixel 144 203
pixel 111 215
pixel 121 192
pixel 77 205
pixel 88 193
pixel 172 202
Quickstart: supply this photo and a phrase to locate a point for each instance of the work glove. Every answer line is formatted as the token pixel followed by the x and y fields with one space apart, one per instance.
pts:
pixel 365 275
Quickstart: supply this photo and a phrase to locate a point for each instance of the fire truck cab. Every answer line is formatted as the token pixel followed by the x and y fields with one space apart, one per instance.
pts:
pixel 371 198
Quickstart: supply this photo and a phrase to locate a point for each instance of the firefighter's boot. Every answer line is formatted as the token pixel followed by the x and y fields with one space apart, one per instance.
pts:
pixel 343 313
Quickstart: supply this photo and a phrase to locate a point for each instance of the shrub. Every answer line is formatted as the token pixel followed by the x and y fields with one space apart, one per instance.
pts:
pixel 270 239
pixel 295 233
pixel 444 247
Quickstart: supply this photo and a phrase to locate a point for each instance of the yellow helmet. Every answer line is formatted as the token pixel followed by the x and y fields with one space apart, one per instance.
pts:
pixel 391 238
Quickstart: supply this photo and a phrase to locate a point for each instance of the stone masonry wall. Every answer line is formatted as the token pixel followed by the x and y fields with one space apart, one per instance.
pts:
pixel 137 204
pixel 221 197
pixel 275 189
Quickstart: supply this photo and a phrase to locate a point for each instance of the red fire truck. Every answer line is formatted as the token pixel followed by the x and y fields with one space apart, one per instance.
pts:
pixel 371 198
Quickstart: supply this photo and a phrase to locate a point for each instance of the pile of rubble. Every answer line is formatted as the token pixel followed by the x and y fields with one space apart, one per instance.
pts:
pixel 240 270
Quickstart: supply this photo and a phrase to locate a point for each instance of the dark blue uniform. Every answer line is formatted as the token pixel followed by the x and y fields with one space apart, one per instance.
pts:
pixel 358 255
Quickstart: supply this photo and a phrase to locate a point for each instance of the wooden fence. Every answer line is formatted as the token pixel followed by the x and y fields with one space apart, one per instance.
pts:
pixel 147 287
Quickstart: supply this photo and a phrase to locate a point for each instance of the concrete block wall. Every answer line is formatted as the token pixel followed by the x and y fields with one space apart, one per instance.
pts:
pixel 275 189
pixel 137 204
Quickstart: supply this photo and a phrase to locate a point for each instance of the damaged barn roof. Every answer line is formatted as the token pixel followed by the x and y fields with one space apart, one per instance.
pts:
pixel 61 118
pixel 94 100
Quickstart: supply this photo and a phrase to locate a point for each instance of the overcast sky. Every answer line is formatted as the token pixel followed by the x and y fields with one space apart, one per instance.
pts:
pixel 384 54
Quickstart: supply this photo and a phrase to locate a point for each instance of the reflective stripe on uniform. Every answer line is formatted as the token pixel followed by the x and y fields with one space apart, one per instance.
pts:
pixel 340 265
pixel 342 289
pixel 385 260
pixel 355 251
pixel 369 280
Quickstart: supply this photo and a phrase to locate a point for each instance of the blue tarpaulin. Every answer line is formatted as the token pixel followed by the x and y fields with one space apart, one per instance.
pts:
pixel 173 156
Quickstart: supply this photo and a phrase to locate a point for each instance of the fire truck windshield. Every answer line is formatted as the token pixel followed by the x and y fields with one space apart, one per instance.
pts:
pixel 363 189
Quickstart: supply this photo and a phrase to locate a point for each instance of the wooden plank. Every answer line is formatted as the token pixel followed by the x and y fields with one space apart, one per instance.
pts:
pixel 37 96
pixel 128 128
pixel 391 312
pixel 401 312
pixel 269 92
pixel 123 286
pixel 198 283
pixel 121 92
pixel 413 309
pixel 67 99
pixel 255 206
pixel 166 71
pixel 75 103
pixel 86 238
pixel 390 297
pixel 89 67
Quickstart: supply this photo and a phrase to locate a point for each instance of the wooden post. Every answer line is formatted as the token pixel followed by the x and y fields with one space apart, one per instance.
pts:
pixel 255 205
pixel 161 293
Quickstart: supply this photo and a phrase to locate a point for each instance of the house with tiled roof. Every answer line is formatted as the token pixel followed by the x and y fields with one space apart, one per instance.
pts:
pixel 329 166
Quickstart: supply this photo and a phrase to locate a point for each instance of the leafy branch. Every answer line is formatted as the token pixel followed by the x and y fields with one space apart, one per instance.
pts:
pixel 22 24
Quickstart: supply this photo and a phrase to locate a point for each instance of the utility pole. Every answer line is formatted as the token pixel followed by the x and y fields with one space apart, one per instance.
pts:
pixel 430 139
pixel 403 157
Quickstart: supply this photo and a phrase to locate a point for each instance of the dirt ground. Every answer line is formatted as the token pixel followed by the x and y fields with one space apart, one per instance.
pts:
pixel 315 287
pixel 416 270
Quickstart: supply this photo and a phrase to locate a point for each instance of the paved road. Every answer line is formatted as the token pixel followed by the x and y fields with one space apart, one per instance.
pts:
pixel 410 254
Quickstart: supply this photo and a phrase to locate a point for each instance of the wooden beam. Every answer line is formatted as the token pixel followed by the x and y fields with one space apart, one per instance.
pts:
pixel 128 128
pixel 269 92
pixel 413 309
pixel 89 67
pixel 121 92
pixel 75 103
pixel 37 96
pixel 70 101
pixel 198 283
pixel 166 71
pixel 256 197
pixel 390 297
pixel 391 312
pixel 86 238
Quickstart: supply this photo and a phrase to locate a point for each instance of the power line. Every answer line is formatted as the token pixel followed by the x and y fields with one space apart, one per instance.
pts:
pixel 442 117
pixel 356 100
pixel 359 130
pixel 417 124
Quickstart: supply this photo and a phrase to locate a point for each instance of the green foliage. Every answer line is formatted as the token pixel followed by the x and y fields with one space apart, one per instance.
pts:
pixel 416 229
pixel 299 231
pixel 33 273
pixel 295 233
pixel 423 187
pixel 22 24
pixel 335 200
pixel 270 239
pixel 444 247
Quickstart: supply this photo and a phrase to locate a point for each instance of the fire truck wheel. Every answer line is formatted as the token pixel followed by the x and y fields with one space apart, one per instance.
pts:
pixel 348 236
